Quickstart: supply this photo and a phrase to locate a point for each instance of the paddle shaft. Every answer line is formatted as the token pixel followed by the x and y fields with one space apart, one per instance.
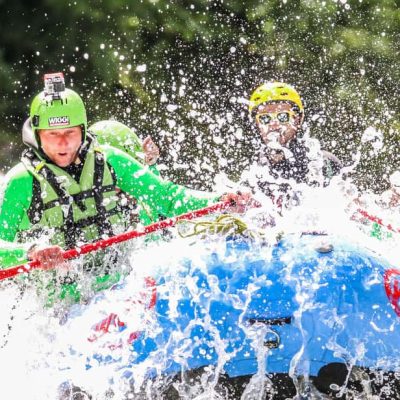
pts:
pixel 102 244
pixel 378 220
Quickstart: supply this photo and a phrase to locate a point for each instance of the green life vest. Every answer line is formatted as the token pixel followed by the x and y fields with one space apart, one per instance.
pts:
pixel 75 212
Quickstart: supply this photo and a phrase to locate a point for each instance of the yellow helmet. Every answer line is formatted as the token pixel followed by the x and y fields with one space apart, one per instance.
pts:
pixel 275 91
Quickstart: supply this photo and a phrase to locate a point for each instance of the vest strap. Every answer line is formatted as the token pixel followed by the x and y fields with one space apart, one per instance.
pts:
pixel 79 197
pixel 68 229
pixel 103 224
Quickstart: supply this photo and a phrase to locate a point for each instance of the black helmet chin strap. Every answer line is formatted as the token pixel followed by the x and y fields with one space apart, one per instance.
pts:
pixel 83 149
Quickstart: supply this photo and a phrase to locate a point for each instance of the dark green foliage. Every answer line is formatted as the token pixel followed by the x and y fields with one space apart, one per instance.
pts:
pixel 179 69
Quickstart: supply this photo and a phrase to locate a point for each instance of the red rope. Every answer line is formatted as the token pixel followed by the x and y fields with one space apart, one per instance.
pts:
pixel 157 226
pixel 101 244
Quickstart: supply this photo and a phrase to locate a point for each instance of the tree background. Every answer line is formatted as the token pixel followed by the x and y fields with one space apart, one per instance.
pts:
pixel 183 71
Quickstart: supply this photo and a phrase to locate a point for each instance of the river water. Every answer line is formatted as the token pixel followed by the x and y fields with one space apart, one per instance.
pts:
pixel 44 349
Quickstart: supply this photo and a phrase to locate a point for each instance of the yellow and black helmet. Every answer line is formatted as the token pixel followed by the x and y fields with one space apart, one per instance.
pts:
pixel 273 92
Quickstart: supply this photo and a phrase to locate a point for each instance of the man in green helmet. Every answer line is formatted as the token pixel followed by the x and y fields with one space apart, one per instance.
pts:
pixel 64 188
pixel 285 154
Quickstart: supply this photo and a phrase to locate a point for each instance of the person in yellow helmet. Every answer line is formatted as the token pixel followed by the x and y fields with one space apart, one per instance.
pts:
pixel 277 111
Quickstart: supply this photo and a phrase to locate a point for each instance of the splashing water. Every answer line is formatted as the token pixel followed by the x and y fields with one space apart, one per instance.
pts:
pixel 375 138
pixel 223 308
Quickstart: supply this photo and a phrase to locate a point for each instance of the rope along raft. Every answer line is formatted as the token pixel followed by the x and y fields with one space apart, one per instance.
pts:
pixel 225 224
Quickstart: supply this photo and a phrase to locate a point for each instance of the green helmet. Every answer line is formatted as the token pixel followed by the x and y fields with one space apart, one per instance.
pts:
pixel 54 108
pixel 275 91
pixel 118 135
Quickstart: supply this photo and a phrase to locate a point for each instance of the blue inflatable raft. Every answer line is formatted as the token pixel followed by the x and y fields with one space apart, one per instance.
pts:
pixel 314 309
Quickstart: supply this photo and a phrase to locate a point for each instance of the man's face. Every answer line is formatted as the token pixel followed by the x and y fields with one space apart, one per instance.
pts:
pixel 61 145
pixel 277 122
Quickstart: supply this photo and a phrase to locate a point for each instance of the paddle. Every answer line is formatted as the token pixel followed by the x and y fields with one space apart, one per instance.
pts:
pixel 101 244
pixel 378 220
pixel 157 226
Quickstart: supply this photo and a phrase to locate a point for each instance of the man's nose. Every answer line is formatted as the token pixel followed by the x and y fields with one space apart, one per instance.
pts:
pixel 62 140
pixel 274 124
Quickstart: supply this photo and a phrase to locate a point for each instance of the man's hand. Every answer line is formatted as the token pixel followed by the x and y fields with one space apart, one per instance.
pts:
pixel 240 202
pixel 394 198
pixel 150 150
pixel 49 257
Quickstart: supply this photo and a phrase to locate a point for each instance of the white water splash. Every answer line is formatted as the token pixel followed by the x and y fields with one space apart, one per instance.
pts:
pixel 44 352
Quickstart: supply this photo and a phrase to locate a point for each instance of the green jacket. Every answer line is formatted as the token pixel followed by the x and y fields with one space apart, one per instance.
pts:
pixel 379 232
pixel 155 196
